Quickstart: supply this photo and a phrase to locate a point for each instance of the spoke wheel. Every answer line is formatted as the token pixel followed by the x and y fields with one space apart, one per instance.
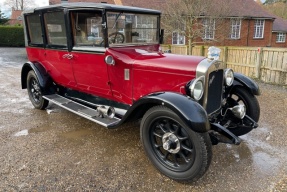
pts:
pixel 176 150
pixel 172 144
pixel 34 91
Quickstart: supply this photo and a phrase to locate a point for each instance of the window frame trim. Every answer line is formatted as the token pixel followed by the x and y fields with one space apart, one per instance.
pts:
pixel 177 38
pixel 28 33
pixel 208 26
pixel 66 24
pixel 255 31
pixel 239 31
pixel 284 35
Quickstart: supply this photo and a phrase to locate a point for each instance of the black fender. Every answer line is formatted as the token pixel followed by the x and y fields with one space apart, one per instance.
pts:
pixel 192 113
pixel 41 73
pixel 248 83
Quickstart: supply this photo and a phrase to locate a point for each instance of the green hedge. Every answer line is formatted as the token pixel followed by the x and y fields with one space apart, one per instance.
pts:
pixel 12 36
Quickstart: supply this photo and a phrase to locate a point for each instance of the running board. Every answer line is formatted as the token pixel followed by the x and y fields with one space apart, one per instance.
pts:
pixel 81 110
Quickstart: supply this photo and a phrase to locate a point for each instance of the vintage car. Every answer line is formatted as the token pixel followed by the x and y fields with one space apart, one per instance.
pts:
pixel 104 62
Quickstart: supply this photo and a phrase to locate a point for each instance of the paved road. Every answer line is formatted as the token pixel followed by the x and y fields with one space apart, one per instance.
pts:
pixel 55 150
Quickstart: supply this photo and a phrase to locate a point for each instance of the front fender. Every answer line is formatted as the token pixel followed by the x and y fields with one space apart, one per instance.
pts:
pixel 242 80
pixel 192 113
pixel 40 72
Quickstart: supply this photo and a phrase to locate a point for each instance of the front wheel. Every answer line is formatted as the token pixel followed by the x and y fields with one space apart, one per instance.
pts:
pixel 173 148
pixel 239 95
pixel 34 91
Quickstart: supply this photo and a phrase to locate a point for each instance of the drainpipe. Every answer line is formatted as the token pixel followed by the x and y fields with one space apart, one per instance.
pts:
pixel 248 30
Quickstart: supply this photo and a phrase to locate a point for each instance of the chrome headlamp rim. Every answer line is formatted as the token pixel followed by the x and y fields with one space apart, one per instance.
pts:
pixel 194 87
pixel 228 77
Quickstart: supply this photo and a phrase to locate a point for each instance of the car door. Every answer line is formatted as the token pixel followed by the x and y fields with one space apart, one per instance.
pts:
pixel 88 53
pixel 56 56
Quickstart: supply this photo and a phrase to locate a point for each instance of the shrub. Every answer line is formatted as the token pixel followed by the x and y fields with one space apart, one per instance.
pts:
pixel 12 36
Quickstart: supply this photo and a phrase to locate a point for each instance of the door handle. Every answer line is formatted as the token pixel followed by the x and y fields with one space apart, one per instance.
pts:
pixel 68 56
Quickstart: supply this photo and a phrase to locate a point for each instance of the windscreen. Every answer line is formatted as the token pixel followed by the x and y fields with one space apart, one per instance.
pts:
pixel 131 28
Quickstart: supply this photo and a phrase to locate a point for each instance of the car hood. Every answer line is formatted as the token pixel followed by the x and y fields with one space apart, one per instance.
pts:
pixel 149 58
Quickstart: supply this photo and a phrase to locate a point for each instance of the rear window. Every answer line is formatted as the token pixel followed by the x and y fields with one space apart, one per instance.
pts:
pixel 34 28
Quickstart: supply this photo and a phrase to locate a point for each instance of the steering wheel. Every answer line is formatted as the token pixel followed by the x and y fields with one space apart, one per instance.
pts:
pixel 116 37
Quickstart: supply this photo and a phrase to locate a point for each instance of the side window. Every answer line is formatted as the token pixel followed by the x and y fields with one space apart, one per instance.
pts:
pixel 55 28
pixel 34 29
pixel 87 29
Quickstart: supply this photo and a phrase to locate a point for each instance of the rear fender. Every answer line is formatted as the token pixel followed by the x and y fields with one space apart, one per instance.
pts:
pixel 192 113
pixel 41 73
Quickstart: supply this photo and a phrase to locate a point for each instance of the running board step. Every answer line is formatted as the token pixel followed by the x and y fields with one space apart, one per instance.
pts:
pixel 81 110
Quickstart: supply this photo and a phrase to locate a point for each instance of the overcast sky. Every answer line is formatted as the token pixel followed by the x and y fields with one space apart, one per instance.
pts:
pixel 7 10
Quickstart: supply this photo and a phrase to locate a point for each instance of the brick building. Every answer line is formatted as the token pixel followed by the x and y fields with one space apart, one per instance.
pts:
pixel 16 17
pixel 246 24
pixel 279 31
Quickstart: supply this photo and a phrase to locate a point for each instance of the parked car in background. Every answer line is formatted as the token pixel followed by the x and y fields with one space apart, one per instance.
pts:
pixel 104 63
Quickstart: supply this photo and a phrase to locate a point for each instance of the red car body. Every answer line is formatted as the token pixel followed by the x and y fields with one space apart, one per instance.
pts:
pixel 104 63
pixel 150 71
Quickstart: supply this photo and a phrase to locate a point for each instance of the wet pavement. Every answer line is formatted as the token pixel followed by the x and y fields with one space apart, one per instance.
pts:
pixel 55 150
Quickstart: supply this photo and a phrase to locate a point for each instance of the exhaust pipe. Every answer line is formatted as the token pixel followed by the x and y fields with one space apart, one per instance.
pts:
pixel 106 112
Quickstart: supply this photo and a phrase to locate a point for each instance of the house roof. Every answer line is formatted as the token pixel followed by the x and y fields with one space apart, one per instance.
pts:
pixel 279 25
pixel 150 4
pixel 245 8
pixel 236 8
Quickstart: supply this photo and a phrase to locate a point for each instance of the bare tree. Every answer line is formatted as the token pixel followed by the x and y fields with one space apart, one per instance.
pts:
pixel 20 4
pixel 277 8
pixel 196 19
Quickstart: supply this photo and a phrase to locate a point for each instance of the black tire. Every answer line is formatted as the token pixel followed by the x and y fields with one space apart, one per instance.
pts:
pixel 240 95
pixel 192 155
pixel 35 92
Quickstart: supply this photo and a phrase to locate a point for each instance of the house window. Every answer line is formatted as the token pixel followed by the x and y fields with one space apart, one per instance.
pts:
pixel 209 28
pixel 259 28
pixel 178 35
pixel 235 28
pixel 281 37
pixel 178 38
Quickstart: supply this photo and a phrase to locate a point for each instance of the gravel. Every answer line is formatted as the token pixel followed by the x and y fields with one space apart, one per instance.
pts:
pixel 55 150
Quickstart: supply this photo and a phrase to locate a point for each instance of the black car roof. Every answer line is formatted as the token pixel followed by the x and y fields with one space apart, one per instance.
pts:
pixel 106 6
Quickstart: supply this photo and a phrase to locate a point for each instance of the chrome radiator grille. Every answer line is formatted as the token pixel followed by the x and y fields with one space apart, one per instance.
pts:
pixel 215 88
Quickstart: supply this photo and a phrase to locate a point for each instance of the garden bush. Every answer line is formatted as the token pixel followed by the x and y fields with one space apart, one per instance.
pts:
pixel 12 36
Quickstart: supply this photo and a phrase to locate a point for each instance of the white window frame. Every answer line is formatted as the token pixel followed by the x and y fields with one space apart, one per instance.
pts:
pixel 180 38
pixel 209 28
pixel 259 28
pixel 281 37
pixel 235 28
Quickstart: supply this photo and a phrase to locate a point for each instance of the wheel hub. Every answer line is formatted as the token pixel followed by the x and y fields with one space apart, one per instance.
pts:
pixel 170 143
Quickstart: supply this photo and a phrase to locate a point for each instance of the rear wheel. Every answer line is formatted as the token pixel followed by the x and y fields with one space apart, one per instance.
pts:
pixel 172 147
pixel 35 92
